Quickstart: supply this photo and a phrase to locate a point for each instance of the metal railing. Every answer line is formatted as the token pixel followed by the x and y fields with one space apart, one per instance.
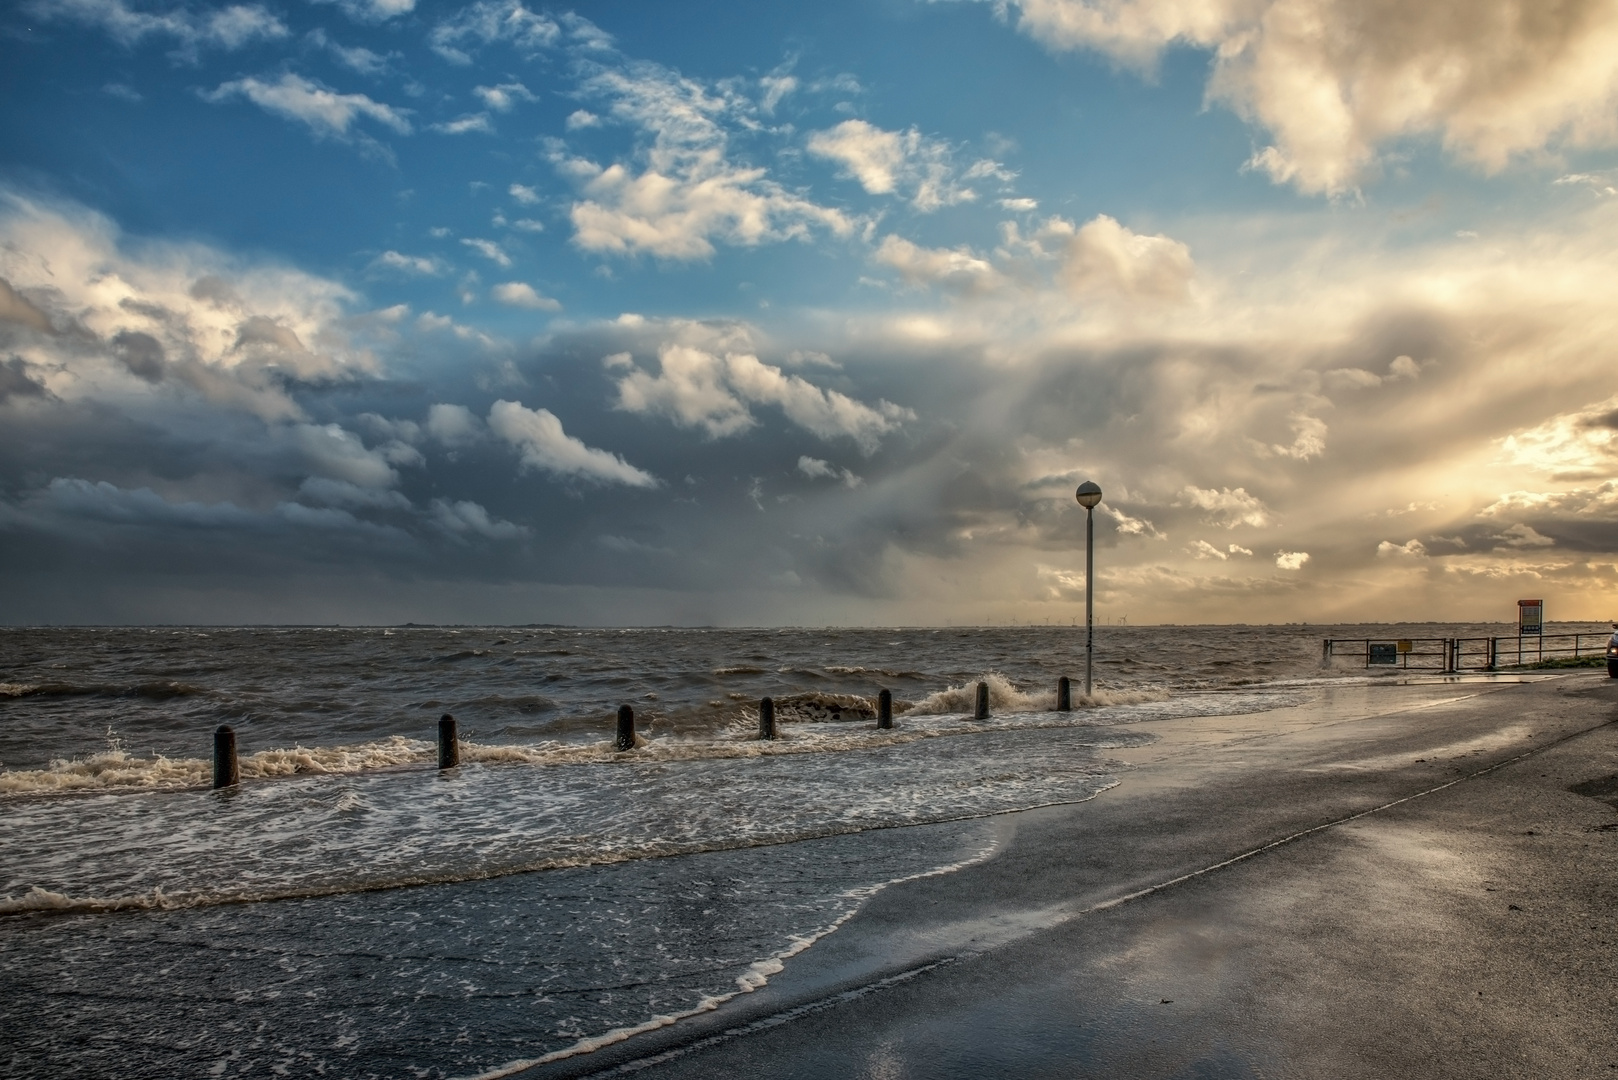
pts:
pixel 1449 655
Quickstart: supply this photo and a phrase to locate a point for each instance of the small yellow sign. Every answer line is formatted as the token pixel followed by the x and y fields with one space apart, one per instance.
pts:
pixel 1407 646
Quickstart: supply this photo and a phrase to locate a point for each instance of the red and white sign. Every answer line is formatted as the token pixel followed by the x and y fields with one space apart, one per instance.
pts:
pixel 1530 616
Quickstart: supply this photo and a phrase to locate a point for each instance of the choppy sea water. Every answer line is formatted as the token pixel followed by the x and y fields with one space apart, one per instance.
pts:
pixel 351 911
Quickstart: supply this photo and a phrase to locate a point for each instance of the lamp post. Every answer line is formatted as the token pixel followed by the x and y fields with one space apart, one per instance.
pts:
pixel 1089 494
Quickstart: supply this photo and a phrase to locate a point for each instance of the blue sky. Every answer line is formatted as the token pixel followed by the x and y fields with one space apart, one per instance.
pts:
pixel 718 313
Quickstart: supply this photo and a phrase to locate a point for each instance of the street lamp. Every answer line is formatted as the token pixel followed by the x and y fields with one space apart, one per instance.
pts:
pixel 1089 494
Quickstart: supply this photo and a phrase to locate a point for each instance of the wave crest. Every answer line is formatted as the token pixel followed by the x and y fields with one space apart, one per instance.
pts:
pixel 1005 696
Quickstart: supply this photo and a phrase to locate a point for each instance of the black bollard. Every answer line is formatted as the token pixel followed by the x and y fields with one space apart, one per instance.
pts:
pixel 884 709
pixel 449 748
pixel 227 772
pixel 766 718
pixel 983 702
pixel 626 728
pixel 1064 695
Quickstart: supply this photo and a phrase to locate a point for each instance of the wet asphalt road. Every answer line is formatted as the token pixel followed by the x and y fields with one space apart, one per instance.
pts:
pixel 1468 930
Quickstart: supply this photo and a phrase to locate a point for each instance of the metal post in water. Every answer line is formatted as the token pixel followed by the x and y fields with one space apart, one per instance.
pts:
pixel 1494 646
pixel 1089 494
pixel 884 709
pixel 766 718
pixel 1064 695
pixel 982 710
pixel 449 747
pixel 227 770
pixel 626 728
pixel 1325 652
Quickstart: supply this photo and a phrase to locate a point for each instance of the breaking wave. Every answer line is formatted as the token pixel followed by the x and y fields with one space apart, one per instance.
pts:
pixel 1004 696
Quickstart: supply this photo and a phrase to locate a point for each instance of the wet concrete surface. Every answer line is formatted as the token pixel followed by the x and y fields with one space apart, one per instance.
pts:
pixel 1397 880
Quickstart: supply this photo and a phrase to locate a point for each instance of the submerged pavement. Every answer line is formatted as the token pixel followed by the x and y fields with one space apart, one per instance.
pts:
pixel 1395 880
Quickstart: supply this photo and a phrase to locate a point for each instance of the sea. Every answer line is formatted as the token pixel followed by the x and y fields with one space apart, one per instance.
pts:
pixel 351 910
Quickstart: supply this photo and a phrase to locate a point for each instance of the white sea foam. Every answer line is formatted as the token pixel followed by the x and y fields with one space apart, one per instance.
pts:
pixel 1005 696
pixel 947 712
pixel 116 769
pixel 316 835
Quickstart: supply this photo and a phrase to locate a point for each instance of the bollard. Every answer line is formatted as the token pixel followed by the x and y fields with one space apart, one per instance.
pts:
pixel 227 770
pixel 1064 695
pixel 1494 645
pixel 626 728
pixel 982 712
pixel 1325 652
pixel 884 709
pixel 449 748
pixel 766 718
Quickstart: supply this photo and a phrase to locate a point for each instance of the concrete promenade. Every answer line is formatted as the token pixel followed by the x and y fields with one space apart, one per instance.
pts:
pixel 1384 924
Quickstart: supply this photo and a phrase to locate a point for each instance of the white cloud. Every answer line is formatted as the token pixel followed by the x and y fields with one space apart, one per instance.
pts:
pixel 488 21
pixel 1333 81
pixel 521 294
pixel 373 11
pixel 168 320
pixel 1129 525
pixel 333 452
pixel 1399 368
pixel 1201 549
pixel 144 507
pixel 355 58
pixel 1309 439
pixel 1577 445
pixel 473 122
pixel 685 192
pixel 542 443
pixel 228 27
pixel 695 388
pixel 1601 184
pixel 1225 506
pixel 504 96
pixel 525 195
pixel 1019 206
pixel 380 427
pixel 461 518
pixel 776 88
pixel 408 264
pixel 1523 535
pixel 957 269
pixel 899 162
pixel 489 250
pixel 1105 257
pixel 1237 549
pixel 1291 560
pixel 453 425
pixel 816 469
pixel 1410 549
pixel 326 112
pixel 579 119
pixel 1600 504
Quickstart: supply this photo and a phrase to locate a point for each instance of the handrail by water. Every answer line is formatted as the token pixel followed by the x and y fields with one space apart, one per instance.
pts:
pixel 1450 655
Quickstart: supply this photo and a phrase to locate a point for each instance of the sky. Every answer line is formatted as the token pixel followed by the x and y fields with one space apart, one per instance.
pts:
pixel 721 313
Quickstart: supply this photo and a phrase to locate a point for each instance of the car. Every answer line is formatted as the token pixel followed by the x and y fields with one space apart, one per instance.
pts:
pixel 1612 653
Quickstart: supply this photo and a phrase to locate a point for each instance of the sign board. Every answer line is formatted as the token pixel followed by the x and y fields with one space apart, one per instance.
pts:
pixel 1382 653
pixel 1407 646
pixel 1530 616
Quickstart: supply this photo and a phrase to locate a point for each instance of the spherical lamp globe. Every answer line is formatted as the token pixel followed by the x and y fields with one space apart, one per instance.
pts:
pixel 1089 494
